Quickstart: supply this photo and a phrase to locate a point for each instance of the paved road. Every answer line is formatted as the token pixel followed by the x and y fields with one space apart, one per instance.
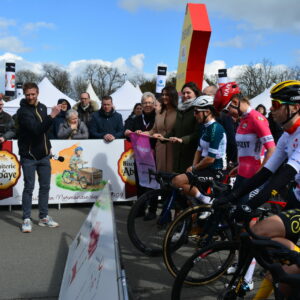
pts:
pixel 32 265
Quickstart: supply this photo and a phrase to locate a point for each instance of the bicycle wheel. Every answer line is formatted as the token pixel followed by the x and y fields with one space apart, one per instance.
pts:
pixel 83 182
pixel 182 238
pixel 205 268
pixel 147 235
pixel 67 177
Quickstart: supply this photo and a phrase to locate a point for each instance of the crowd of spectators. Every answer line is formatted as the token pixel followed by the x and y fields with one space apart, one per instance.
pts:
pixel 166 118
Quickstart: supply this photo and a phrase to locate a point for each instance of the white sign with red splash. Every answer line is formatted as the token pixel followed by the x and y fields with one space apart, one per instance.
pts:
pixel 92 270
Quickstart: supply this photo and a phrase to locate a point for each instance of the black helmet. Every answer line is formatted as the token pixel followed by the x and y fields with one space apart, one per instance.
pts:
pixel 287 91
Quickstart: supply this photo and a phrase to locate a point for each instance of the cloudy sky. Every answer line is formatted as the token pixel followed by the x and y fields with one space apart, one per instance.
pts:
pixel 137 35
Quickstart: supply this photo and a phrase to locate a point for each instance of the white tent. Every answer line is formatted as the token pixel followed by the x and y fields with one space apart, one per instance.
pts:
pixel 48 95
pixel 263 98
pixel 125 98
pixel 92 93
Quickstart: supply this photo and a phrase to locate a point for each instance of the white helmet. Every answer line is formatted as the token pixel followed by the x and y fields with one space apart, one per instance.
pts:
pixel 204 102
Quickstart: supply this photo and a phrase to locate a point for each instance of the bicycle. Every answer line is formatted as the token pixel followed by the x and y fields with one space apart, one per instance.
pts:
pixel 208 264
pixel 195 228
pixel 168 201
pixel 70 176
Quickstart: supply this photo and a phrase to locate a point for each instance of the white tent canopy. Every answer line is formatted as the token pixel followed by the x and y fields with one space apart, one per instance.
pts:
pixel 263 98
pixel 125 98
pixel 48 95
pixel 92 93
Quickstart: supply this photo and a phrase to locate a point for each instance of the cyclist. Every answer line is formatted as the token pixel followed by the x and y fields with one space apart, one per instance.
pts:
pixel 210 156
pixel 253 132
pixel 76 159
pixel 282 168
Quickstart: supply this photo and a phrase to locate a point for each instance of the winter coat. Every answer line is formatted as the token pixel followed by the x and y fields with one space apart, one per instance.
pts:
pixel 85 115
pixel 164 123
pixel 66 132
pixel 144 122
pixel 186 128
pixel 7 126
pixel 106 123
pixel 34 124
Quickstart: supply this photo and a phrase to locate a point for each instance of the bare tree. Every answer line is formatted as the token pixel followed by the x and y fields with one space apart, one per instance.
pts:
pixel 79 85
pixel 59 78
pixel 105 80
pixel 27 76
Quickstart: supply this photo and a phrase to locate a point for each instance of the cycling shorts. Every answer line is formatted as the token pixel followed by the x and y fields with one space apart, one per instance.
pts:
pixel 291 221
pixel 205 177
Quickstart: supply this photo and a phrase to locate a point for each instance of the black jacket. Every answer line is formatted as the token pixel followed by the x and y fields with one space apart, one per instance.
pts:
pixel 33 123
pixel 102 124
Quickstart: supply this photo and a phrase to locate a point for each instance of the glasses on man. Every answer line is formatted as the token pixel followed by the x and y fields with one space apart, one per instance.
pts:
pixel 276 103
pixel 147 103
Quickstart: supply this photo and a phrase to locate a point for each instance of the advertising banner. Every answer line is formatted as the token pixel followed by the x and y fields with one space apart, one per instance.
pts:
pixel 10 79
pixel 92 270
pixel 161 78
pixel 144 159
pixel 79 178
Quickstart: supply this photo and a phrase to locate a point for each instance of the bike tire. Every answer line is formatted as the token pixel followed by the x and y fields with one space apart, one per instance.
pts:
pixel 203 268
pixel 176 253
pixel 147 236
pixel 66 177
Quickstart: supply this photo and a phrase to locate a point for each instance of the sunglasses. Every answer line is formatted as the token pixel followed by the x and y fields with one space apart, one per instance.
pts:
pixel 276 103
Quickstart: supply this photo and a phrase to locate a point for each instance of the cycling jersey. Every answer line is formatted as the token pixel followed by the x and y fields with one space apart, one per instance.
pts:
pixel 287 148
pixel 213 144
pixel 252 134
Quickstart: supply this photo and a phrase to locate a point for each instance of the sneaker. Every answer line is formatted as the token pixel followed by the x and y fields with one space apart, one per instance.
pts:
pixel 204 215
pixel 26 226
pixel 248 286
pixel 150 216
pixel 231 269
pixel 48 221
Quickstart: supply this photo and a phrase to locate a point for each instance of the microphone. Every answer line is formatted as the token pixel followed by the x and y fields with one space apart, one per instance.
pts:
pixel 56 157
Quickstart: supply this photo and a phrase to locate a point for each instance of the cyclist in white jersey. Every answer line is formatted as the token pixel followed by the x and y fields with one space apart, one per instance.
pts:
pixel 282 168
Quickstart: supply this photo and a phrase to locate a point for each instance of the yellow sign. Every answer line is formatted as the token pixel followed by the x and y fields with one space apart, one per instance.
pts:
pixel 126 167
pixel 9 170
pixel 184 51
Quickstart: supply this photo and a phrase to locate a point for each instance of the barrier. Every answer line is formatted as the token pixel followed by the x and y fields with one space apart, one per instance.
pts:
pixel 93 269
pixel 79 178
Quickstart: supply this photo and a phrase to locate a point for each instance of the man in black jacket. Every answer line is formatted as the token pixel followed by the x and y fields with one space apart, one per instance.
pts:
pixel 34 150
pixel 7 125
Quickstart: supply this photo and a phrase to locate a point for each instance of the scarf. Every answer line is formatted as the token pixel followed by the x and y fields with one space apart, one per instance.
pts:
pixel 185 105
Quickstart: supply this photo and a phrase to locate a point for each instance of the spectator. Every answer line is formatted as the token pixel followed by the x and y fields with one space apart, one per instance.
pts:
pixel 137 110
pixel 262 109
pixel 141 123
pixel 210 90
pixel 72 128
pixel 275 128
pixel 59 119
pixel 186 131
pixel 106 123
pixel 86 107
pixel 35 150
pixel 7 125
pixel 164 123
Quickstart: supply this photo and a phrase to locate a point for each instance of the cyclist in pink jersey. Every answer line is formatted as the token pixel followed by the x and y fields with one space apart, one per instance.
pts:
pixel 252 134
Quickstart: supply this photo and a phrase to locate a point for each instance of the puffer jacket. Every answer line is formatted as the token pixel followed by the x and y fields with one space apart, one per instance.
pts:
pixel 103 123
pixel 85 115
pixel 34 124
pixel 7 126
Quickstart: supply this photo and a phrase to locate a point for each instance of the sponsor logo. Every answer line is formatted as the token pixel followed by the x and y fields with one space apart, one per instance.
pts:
pixel 243 144
pixel 9 170
pixel 245 125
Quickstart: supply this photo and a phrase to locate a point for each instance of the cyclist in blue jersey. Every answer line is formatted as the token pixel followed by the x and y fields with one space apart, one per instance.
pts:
pixel 210 156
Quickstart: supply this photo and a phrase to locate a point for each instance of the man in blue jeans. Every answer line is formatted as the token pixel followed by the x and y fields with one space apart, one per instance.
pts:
pixel 34 150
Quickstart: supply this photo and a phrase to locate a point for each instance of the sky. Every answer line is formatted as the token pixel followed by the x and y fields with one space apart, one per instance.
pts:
pixel 137 35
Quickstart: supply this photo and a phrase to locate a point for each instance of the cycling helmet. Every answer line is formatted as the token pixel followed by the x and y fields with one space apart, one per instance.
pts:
pixel 224 95
pixel 204 102
pixel 78 149
pixel 287 91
